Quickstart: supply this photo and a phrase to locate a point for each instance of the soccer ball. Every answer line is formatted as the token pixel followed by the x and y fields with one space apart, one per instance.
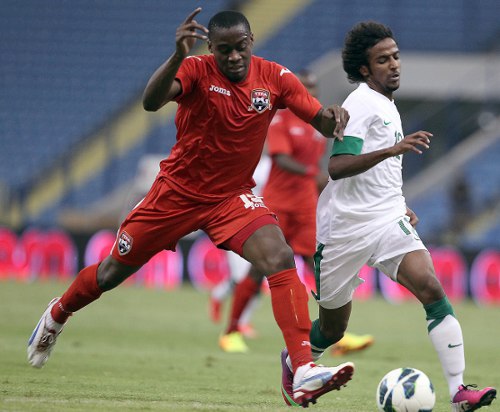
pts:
pixel 405 390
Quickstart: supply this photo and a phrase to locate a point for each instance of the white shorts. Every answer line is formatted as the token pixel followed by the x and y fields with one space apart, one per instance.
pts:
pixel 338 264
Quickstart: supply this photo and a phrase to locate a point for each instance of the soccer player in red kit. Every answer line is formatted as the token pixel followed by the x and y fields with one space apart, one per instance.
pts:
pixel 226 101
pixel 291 192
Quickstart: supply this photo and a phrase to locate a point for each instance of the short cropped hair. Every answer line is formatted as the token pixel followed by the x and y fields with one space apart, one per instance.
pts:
pixel 227 19
pixel 359 39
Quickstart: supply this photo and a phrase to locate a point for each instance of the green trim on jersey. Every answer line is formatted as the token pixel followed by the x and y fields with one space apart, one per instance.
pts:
pixel 437 311
pixel 318 256
pixel 350 145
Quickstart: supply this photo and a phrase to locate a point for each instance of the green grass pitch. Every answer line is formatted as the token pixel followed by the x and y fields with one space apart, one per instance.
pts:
pixel 153 350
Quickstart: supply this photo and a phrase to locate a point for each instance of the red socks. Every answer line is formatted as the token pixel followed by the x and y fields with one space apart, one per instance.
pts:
pixel 81 292
pixel 243 292
pixel 288 296
pixel 289 300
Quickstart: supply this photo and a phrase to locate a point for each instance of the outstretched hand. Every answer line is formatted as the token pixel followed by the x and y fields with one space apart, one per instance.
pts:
pixel 413 142
pixel 186 34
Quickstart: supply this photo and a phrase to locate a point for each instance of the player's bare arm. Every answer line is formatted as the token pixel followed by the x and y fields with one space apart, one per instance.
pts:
pixel 342 166
pixel 331 121
pixel 162 86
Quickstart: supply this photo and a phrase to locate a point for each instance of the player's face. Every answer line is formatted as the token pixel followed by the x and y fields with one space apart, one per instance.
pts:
pixel 384 68
pixel 232 49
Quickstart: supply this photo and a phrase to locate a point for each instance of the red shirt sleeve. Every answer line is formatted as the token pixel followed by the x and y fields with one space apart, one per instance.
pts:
pixel 277 136
pixel 296 97
pixel 188 74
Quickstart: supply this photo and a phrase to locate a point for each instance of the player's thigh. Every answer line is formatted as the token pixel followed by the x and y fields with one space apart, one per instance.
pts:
pixel 243 224
pixel 268 251
pixel 416 273
pixel 156 223
pixel 396 239
pixel 227 221
pixel 402 256
pixel 246 226
pixel 336 271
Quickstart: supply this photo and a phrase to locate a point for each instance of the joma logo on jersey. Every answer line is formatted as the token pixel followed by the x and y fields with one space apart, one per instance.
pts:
pixel 252 201
pixel 261 100
pixel 220 90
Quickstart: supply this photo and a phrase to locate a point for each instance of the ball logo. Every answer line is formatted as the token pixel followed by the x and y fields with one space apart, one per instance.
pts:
pixel 124 243
pixel 260 100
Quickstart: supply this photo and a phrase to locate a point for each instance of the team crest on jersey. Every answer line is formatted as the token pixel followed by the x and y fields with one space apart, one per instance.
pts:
pixel 124 243
pixel 261 100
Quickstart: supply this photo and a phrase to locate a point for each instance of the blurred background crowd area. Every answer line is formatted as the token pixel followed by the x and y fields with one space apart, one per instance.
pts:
pixel 77 147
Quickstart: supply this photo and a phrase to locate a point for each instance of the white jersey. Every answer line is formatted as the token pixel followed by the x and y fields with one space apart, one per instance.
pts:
pixel 352 207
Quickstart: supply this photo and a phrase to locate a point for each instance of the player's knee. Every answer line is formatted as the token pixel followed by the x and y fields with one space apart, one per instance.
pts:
pixel 430 289
pixel 278 259
pixel 111 273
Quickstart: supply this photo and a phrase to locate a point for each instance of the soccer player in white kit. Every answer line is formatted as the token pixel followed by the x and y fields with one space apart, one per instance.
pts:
pixel 362 214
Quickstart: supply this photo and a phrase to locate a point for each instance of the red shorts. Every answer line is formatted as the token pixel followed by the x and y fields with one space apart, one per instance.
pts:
pixel 164 216
pixel 299 228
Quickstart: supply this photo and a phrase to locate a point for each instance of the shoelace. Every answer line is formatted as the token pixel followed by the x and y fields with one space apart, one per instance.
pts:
pixel 470 387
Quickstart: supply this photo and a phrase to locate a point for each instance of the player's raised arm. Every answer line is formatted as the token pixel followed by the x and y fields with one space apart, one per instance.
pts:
pixel 331 121
pixel 162 86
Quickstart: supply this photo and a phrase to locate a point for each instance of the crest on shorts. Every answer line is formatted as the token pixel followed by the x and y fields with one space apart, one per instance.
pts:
pixel 261 100
pixel 124 243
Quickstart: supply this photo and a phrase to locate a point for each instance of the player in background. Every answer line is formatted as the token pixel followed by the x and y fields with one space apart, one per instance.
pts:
pixel 291 191
pixel 226 101
pixel 361 213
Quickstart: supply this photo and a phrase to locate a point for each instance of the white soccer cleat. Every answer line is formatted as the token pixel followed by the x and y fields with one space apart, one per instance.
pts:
pixel 43 339
pixel 319 380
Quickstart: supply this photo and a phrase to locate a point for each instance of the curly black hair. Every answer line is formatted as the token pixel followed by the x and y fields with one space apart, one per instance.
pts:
pixel 227 19
pixel 358 40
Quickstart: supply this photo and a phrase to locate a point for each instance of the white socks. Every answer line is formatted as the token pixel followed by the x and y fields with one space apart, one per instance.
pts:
pixel 449 344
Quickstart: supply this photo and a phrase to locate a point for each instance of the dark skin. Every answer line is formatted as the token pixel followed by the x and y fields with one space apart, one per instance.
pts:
pixel 416 271
pixel 266 248
pixel 382 75
pixel 232 49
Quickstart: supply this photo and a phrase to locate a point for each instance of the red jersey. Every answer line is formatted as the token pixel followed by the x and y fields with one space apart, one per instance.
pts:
pixel 222 126
pixel 291 136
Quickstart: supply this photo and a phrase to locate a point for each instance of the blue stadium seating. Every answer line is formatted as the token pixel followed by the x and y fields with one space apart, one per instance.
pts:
pixel 490 238
pixel 483 173
pixel 427 25
pixel 67 67
pixel 433 207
